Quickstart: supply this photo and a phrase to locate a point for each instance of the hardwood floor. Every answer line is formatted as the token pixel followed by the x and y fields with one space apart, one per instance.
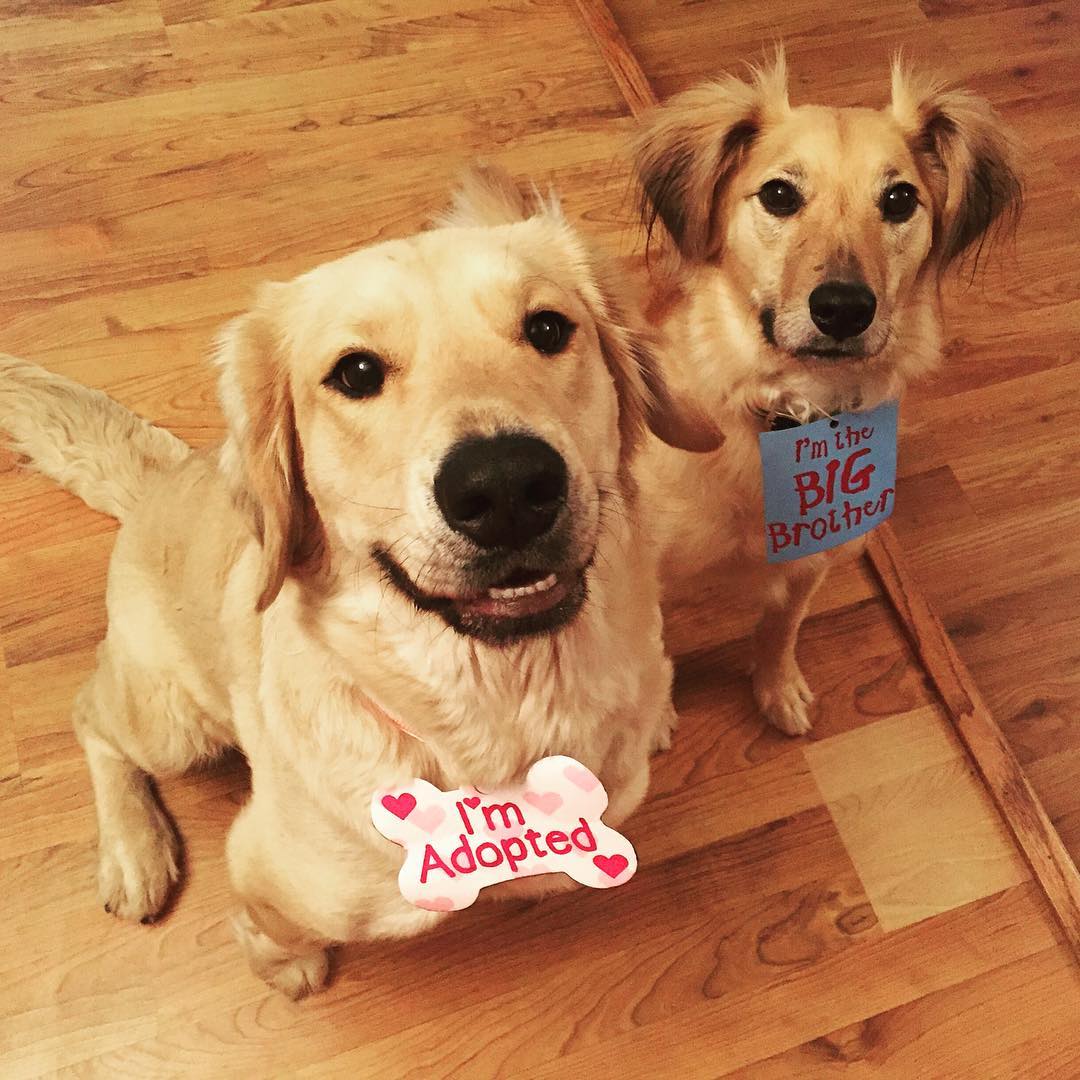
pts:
pixel 845 904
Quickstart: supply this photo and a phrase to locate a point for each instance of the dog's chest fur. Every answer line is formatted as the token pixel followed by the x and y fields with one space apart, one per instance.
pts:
pixel 468 713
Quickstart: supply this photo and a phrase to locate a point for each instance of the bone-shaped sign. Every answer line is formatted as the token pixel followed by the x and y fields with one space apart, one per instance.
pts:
pixel 459 842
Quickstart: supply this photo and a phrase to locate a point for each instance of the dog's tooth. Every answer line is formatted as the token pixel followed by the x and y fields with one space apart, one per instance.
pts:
pixel 523 590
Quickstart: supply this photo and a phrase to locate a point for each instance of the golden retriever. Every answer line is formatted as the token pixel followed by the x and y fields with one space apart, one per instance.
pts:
pixel 811 243
pixel 419 552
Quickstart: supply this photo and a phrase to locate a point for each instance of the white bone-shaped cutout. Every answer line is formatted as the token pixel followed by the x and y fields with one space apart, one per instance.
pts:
pixel 459 842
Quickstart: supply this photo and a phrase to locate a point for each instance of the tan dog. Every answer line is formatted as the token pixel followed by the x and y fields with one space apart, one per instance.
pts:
pixel 812 244
pixel 432 440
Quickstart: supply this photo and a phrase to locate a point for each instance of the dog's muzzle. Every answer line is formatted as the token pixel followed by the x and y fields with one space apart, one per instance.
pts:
pixel 507 496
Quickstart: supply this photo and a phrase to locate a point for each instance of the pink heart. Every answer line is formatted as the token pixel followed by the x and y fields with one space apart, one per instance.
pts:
pixel 580 777
pixel 430 819
pixel 436 903
pixel 401 806
pixel 612 865
pixel 547 803
pixel 473 802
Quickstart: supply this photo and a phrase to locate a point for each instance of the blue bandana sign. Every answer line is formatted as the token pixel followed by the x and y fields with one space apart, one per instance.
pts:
pixel 828 482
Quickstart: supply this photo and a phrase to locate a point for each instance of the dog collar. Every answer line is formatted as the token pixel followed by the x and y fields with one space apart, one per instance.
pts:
pixel 779 421
pixel 376 710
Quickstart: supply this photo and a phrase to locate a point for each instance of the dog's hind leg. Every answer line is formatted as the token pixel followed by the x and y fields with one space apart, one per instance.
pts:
pixel 129 732
pixel 779 687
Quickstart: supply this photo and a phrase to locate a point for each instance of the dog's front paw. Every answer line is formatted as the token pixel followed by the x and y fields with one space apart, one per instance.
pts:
pixel 784 698
pixel 138 867
pixel 665 730
pixel 294 973
pixel 303 975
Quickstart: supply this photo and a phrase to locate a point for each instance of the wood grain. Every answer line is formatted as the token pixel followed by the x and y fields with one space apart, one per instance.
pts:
pixel 997 765
pixel 160 159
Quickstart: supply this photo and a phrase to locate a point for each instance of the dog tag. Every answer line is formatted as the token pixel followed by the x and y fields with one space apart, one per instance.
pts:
pixel 459 842
pixel 828 482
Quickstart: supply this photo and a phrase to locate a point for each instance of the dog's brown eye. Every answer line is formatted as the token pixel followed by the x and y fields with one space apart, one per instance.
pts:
pixel 780 198
pixel 548 331
pixel 899 203
pixel 357 375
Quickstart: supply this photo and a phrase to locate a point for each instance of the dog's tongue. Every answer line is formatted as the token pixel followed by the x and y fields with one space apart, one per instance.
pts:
pixel 515 601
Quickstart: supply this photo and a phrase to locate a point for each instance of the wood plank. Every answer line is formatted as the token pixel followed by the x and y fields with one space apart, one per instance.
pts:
pixel 151 179
pixel 997 764
pixel 932 1036
pixel 918 825
pixel 882 972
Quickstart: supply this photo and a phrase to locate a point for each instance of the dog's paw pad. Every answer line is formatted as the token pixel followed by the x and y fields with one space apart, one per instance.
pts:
pixel 303 975
pixel 137 871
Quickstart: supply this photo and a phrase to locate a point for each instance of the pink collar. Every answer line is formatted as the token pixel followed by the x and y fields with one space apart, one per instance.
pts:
pixel 378 711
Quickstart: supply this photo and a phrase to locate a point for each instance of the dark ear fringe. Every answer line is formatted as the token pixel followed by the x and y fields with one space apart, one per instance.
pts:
pixel 992 199
pixel 690 148
pixel 969 158
pixel 681 186
pixel 684 172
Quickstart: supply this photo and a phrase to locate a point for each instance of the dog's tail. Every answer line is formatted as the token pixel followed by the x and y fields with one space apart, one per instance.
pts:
pixel 81 438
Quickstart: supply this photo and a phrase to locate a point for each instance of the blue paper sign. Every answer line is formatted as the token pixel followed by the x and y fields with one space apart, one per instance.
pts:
pixel 828 482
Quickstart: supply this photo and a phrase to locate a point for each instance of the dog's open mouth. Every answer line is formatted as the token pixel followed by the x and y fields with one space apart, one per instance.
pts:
pixel 521 604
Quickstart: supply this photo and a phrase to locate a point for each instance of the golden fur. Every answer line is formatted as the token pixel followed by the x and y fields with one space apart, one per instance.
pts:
pixel 246 606
pixel 733 313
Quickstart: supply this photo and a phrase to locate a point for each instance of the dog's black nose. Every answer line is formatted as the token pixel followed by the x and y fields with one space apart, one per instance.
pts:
pixel 501 492
pixel 841 309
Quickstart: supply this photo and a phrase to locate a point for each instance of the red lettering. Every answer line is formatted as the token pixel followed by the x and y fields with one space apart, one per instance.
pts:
pixel 555 837
pixel 583 831
pixel 466 856
pixel 515 856
pixel 532 836
pixel 494 851
pixel 433 862
pixel 504 809
pixel 808 484
pixel 778 535
pixel 852 484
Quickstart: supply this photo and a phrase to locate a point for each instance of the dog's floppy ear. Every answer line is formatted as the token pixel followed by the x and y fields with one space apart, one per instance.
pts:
pixel 644 399
pixel 691 147
pixel 967 155
pixel 261 456
pixel 487 195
